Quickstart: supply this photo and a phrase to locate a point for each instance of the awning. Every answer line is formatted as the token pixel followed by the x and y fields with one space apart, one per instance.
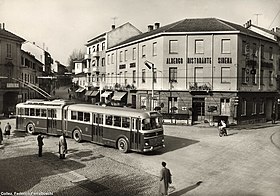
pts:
pixel 106 94
pixel 88 93
pixel 79 90
pixel 94 93
pixel 118 96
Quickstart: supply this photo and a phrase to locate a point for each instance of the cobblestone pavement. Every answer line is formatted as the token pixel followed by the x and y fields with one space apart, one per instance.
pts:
pixel 244 163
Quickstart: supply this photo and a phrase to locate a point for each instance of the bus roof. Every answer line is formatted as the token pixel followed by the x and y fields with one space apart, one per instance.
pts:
pixel 42 102
pixel 113 110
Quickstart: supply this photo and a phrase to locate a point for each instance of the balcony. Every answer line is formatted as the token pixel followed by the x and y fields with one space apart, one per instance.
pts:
pixel 200 87
pixel 86 70
pixel 95 69
pixel 96 54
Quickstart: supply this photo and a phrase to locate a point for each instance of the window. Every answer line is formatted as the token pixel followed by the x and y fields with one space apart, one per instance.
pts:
pixel 74 115
pixel 103 62
pixel 121 56
pixel 134 76
pixel 109 120
pixel 37 112
pixel 26 111
pixel 254 50
pixel 86 117
pixel 173 74
pixel 173 46
pixel 225 107
pixel 262 106
pixel 108 59
pixel 80 116
pixel 125 78
pixel 117 121
pixel 112 58
pixel 270 78
pixel 225 46
pixel 9 50
pixel 155 49
pixel 243 75
pixel 125 55
pixel 103 45
pixel 125 122
pixel 172 104
pixel 270 53
pixel 32 111
pixel 254 76
pixel 43 112
pixel 244 45
pixel 199 46
pixel 254 107
pixel 225 75
pixel 143 51
pixel 243 107
pixel 134 54
pixel 143 75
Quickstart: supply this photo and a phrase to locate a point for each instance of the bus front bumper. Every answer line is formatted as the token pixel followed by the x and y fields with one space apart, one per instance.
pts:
pixel 152 148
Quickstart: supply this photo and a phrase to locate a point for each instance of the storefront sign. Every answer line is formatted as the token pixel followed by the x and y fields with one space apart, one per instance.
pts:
pixel 12 85
pixel 174 61
pixel 225 60
pixel 199 60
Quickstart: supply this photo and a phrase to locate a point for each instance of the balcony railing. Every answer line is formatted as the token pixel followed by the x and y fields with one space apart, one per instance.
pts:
pixel 200 86
pixel 86 70
pixel 96 54
pixel 95 69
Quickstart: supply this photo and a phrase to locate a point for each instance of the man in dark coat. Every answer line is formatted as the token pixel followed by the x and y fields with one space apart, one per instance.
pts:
pixel 165 180
pixel 40 144
pixel 62 146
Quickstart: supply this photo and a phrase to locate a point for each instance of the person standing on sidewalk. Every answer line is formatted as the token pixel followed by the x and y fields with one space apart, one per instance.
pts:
pixel 165 179
pixel 7 130
pixel 1 135
pixel 62 146
pixel 40 144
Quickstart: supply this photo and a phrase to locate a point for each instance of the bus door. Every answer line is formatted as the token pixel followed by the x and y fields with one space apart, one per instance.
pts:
pixel 97 133
pixel 64 119
pixel 134 133
pixel 51 122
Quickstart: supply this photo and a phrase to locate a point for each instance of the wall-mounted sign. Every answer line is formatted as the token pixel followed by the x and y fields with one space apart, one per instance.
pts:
pixel 199 60
pixel 174 61
pixel 12 85
pixel 225 60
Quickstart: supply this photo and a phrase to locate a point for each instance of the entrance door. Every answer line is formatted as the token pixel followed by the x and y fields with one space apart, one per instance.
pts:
pixel 51 122
pixel 133 101
pixel 97 133
pixel 198 106
pixel 134 133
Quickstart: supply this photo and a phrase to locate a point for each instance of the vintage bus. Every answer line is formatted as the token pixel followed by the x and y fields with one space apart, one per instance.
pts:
pixel 124 128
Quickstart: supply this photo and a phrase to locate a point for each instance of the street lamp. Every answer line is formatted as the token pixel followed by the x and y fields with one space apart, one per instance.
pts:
pixel 150 65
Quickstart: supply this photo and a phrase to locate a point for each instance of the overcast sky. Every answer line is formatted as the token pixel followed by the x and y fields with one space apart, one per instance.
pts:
pixel 66 25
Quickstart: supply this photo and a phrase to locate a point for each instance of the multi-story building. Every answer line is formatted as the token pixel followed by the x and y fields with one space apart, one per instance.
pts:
pixel 10 59
pixel 94 64
pixel 201 69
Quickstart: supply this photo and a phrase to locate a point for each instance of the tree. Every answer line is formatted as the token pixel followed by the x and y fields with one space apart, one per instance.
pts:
pixel 76 55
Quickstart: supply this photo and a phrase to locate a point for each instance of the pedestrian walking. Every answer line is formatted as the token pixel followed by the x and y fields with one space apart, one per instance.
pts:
pixel 1 135
pixel 165 179
pixel 62 146
pixel 40 144
pixel 7 130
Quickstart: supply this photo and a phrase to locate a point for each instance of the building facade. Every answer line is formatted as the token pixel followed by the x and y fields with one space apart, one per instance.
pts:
pixel 198 69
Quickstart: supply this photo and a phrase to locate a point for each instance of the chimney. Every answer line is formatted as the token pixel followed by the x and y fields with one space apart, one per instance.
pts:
pixel 4 26
pixel 150 27
pixel 157 24
pixel 113 27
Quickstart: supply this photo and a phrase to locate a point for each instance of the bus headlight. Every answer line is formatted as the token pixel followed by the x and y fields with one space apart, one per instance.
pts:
pixel 147 143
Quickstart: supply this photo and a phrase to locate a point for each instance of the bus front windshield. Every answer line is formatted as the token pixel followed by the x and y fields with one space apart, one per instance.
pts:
pixel 151 123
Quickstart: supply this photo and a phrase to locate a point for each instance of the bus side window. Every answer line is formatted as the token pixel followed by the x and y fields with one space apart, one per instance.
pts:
pixel 125 122
pixel 86 117
pixel 74 115
pixel 43 113
pixel 109 120
pixel 32 112
pixel 37 112
pixel 100 121
pixel 80 116
pixel 117 121
pixel 138 123
pixel 26 111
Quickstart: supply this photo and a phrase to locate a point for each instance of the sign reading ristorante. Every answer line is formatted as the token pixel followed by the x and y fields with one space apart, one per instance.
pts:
pixel 199 60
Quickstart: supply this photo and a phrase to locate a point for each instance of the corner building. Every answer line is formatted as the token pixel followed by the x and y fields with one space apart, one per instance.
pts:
pixel 204 69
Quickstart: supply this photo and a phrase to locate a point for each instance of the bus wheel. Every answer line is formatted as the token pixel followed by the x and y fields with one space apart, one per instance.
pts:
pixel 77 135
pixel 122 145
pixel 30 128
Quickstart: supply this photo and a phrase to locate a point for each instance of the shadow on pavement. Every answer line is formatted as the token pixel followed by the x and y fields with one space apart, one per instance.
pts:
pixel 173 143
pixel 117 185
pixel 83 155
pixel 185 190
pixel 19 174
